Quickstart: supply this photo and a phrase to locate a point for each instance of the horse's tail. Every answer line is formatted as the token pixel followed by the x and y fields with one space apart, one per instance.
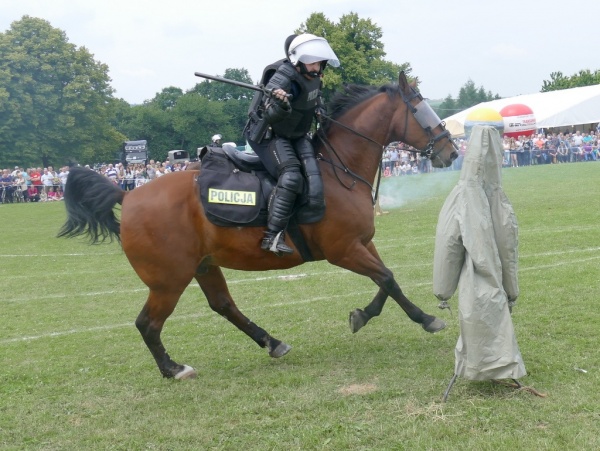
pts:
pixel 90 199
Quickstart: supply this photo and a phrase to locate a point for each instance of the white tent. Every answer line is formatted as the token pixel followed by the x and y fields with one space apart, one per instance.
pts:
pixel 558 109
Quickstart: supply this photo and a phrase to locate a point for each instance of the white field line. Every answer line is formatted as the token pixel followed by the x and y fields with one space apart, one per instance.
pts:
pixel 184 317
pixel 193 283
pixel 57 255
pixel 522 231
pixel 280 304
pixel 334 271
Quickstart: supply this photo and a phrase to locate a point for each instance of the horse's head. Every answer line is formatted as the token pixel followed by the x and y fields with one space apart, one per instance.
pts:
pixel 423 129
pixel 366 116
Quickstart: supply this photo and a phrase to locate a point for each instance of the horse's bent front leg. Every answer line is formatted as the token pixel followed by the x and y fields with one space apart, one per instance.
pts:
pixel 215 289
pixel 428 322
pixel 359 318
pixel 366 261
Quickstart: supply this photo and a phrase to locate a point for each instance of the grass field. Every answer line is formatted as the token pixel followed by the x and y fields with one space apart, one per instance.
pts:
pixel 75 374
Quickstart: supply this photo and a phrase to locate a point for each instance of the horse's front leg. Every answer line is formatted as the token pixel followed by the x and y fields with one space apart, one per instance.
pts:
pixel 359 318
pixel 215 289
pixel 366 261
pixel 429 322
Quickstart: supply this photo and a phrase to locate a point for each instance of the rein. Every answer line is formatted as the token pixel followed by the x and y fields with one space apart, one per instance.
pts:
pixel 343 166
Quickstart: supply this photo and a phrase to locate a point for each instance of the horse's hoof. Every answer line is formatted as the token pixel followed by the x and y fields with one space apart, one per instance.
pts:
pixel 434 326
pixel 357 320
pixel 186 373
pixel 281 350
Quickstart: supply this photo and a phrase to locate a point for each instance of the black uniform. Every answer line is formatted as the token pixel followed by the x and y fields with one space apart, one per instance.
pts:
pixel 284 146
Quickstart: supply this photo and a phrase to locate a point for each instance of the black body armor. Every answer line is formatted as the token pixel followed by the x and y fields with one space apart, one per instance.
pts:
pixel 304 101
pixel 266 112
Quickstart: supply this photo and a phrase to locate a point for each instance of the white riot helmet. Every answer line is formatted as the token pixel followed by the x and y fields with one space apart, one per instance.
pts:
pixel 308 48
pixel 216 138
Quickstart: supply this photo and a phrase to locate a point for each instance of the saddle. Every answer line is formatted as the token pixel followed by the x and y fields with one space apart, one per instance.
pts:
pixel 235 189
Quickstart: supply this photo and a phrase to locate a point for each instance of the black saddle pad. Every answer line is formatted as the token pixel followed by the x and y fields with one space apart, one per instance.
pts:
pixel 231 197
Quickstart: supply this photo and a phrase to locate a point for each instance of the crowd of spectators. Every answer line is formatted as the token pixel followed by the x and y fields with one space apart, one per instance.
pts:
pixel 399 159
pixel 32 184
pixel 46 184
pixel 552 148
pixel 133 175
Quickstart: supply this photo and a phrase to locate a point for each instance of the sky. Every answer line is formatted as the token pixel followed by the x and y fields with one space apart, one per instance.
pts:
pixel 508 48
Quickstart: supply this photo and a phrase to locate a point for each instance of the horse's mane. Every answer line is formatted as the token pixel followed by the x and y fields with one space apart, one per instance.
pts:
pixel 352 95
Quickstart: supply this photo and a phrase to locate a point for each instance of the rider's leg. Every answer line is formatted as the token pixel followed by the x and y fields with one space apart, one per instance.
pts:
pixel 311 169
pixel 289 184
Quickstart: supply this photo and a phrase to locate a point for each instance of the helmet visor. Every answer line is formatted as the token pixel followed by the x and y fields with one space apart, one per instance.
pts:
pixel 314 51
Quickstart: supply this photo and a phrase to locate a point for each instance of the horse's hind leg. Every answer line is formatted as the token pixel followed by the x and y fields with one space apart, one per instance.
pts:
pixel 215 289
pixel 150 321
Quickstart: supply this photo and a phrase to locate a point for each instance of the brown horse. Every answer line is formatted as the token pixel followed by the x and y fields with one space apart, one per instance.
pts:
pixel 169 241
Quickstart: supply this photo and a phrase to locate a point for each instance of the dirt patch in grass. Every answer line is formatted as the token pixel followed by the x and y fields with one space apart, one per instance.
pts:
pixel 357 389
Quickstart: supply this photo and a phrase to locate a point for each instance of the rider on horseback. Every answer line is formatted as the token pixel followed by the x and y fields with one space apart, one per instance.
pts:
pixel 216 140
pixel 278 128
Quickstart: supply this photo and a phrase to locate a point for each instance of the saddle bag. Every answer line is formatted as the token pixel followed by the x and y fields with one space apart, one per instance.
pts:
pixel 230 197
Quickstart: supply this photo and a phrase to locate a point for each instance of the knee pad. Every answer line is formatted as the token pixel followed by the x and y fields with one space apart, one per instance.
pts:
pixel 292 180
pixel 308 158
pixel 311 168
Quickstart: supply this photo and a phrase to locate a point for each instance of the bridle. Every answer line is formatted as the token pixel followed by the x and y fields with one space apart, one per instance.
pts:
pixel 425 117
pixel 428 120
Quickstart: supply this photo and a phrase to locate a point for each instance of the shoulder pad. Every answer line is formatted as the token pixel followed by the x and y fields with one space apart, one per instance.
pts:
pixel 288 69
pixel 282 78
pixel 270 70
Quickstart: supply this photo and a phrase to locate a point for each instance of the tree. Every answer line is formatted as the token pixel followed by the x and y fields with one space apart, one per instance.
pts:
pixel 234 100
pixel 196 119
pixel 559 81
pixel 468 96
pixel 220 91
pixel 56 98
pixel 167 98
pixel 357 43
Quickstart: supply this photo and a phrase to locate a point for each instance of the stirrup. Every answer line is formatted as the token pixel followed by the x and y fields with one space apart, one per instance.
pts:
pixel 275 242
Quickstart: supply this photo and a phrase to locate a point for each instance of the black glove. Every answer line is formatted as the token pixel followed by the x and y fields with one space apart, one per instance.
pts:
pixel 283 104
pixel 277 110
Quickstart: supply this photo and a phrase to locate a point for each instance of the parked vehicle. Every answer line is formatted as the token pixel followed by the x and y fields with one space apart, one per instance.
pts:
pixel 178 156
pixel 135 152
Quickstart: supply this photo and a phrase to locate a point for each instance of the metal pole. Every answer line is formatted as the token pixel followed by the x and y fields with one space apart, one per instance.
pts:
pixel 231 82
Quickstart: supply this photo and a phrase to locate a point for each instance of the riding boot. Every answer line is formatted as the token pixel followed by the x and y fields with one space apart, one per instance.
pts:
pixel 275 242
pixel 280 210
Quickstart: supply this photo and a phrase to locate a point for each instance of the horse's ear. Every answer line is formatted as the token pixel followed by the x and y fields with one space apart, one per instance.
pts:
pixel 403 82
pixel 402 78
